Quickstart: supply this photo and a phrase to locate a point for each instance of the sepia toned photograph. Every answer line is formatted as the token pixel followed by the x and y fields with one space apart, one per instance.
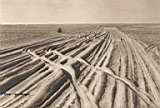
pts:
pixel 79 54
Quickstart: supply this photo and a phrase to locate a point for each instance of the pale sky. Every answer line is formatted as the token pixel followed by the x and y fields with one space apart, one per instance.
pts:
pixel 79 11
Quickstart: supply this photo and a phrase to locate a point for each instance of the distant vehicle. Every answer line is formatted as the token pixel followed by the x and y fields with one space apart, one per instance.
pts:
pixel 59 30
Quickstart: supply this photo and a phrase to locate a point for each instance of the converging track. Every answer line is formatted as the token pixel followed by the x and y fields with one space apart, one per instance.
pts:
pixel 104 69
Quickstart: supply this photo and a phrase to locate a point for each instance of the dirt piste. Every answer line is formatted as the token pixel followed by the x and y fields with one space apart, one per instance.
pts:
pixel 101 69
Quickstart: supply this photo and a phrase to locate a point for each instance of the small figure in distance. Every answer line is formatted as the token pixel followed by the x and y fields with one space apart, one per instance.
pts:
pixel 59 30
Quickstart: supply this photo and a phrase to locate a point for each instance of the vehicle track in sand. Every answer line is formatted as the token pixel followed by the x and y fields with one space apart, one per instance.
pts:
pixel 104 69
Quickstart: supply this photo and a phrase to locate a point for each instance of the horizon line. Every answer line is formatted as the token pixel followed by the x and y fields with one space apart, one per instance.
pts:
pixel 80 23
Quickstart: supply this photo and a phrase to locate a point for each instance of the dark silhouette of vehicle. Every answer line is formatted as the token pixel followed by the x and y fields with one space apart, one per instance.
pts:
pixel 59 30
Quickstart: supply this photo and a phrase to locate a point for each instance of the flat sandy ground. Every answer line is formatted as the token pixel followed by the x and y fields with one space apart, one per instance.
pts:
pixel 17 35
pixel 85 66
